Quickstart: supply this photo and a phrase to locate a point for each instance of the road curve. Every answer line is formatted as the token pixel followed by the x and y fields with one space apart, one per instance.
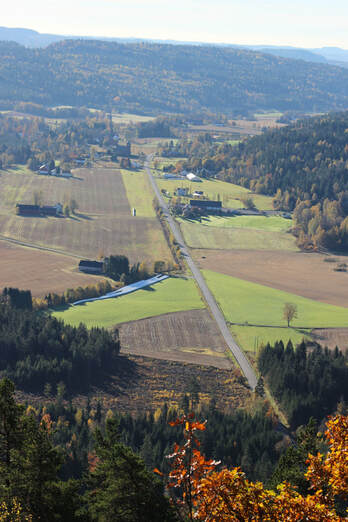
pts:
pixel 215 310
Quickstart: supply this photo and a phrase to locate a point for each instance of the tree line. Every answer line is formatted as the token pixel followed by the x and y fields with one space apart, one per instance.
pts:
pixel 36 349
pixel 308 381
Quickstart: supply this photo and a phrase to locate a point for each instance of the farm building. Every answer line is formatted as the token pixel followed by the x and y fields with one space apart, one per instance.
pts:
pixel 206 205
pixel 198 193
pixel 27 210
pixel 91 267
pixel 36 210
pixel 192 177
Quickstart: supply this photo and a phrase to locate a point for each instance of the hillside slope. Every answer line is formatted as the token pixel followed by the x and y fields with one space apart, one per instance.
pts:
pixel 157 78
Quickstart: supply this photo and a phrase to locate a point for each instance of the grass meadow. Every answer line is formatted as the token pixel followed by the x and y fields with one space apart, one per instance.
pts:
pixel 171 295
pixel 251 338
pixel 245 302
pixel 239 233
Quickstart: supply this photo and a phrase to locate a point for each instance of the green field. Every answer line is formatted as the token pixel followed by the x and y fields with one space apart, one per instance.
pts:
pixel 139 192
pixel 251 338
pixel 215 235
pixel 171 295
pixel 245 302
pixel 228 193
pixel 272 223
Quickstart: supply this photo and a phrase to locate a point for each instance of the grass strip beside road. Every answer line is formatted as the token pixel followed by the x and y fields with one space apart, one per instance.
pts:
pixel 139 192
pixel 171 295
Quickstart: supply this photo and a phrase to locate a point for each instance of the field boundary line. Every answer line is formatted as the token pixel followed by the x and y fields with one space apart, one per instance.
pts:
pixel 37 247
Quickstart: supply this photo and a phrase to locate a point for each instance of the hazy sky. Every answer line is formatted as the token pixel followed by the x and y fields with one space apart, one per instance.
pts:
pixel 306 23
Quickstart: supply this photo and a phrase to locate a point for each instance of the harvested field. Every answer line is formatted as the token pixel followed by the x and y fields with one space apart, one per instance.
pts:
pixel 305 274
pixel 205 236
pixel 332 337
pixel 149 383
pixel 190 336
pixel 39 271
pixel 103 223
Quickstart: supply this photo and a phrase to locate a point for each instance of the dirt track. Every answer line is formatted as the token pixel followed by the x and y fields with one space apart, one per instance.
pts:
pixel 300 273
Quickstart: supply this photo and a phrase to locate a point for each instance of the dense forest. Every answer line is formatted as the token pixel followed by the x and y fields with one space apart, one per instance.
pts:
pixel 58 462
pixel 304 166
pixel 307 381
pixel 37 350
pixel 144 77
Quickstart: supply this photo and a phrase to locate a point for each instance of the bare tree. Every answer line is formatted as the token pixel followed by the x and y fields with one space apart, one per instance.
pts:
pixel 289 312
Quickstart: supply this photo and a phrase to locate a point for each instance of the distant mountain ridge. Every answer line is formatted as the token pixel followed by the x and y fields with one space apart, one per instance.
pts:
pixel 162 78
pixel 32 38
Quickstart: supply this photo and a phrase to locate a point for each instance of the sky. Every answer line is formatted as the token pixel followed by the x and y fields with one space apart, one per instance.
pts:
pixel 305 23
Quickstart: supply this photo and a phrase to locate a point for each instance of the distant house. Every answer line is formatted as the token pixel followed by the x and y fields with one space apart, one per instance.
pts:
pixel 198 193
pixel 182 191
pixel 28 210
pixel 37 211
pixel 91 267
pixel 192 177
pixel 44 170
pixel 206 205
pixel 169 175
pixel 51 210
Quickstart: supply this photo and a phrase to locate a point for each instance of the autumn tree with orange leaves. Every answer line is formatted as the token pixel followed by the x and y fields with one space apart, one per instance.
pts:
pixel 206 494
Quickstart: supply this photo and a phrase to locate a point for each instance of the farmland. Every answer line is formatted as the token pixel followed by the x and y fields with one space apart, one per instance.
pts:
pixel 171 295
pixel 243 301
pixel 308 275
pixel 190 336
pixel 257 311
pixel 242 236
pixel 103 223
pixel 228 193
pixel 41 272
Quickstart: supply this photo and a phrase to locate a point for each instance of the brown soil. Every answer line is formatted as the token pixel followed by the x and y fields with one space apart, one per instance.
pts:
pixel 39 271
pixel 332 337
pixel 153 382
pixel 305 274
pixel 191 337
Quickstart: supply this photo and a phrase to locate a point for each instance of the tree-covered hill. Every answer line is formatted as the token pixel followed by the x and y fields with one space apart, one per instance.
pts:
pixel 157 77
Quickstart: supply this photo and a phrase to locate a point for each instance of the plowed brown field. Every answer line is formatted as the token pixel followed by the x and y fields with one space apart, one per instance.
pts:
pixel 104 222
pixel 39 271
pixel 183 336
pixel 305 274
pixel 332 337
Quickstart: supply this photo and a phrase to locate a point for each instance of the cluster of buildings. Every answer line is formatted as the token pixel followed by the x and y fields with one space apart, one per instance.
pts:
pixel 47 171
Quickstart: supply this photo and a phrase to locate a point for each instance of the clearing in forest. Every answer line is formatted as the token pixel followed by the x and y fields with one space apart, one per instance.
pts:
pixel 170 295
pixel 228 193
pixel 310 275
pixel 190 336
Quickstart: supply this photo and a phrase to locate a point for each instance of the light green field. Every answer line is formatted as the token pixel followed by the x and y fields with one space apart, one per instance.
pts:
pixel 139 192
pixel 171 295
pixel 272 223
pixel 228 193
pixel 251 338
pixel 242 301
pixel 127 118
pixel 237 237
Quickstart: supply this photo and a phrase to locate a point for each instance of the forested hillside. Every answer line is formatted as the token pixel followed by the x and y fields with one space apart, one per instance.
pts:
pixel 147 77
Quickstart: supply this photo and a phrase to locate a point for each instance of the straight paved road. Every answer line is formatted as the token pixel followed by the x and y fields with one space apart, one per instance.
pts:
pixel 215 310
